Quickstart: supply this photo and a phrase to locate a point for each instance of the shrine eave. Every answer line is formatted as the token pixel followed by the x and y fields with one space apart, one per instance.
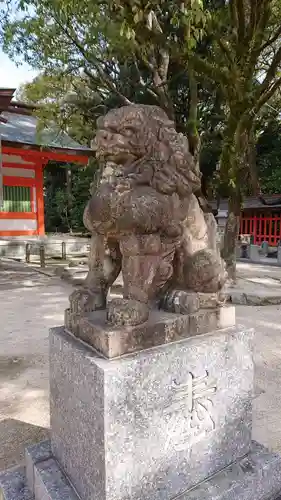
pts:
pixel 47 153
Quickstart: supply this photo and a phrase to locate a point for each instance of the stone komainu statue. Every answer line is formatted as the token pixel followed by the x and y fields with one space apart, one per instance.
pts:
pixel 145 220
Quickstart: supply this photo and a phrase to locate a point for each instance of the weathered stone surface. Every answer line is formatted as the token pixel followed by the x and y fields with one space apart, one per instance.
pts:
pixel 254 253
pixel 181 302
pixel 226 317
pixel 161 328
pixel 186 302
pixel 33 455
pixel 210 300
pixel 261 298
pixel 255 477
pixel 152 424
pixel 279 254
pixel 123 312
pixel 203 321
pixel 145 218
pixel 13 485
pixel 50 483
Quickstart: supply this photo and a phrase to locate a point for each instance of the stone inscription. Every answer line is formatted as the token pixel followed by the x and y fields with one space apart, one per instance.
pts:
pixel 189 411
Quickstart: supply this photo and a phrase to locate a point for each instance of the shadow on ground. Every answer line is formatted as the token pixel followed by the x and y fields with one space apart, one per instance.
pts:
pixel 15 275
pixel 14 437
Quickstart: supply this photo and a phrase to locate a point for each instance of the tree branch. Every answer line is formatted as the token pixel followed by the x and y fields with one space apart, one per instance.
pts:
pixel 234 14
pixel 266 96
pixel 241 28
pixel 271 72
pixel 257 15
pixel 210 70
pixel 106 79
pixel 271 40
pixel 253 18
pixel 110 85
pixel 159 75
pixel 164 64
pixel 143 85
pixel 225 49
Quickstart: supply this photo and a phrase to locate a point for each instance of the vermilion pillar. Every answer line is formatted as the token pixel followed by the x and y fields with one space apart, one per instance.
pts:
pixel 40 199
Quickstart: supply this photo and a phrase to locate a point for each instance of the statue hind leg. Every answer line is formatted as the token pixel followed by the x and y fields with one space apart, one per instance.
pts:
pixel 199 272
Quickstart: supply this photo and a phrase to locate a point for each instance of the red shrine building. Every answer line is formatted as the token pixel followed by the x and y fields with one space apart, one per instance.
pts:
pixel 23 156
pixel 258 221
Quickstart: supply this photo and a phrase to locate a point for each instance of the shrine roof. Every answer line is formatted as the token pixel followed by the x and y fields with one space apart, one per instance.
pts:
pixel 250 202
pixel 19 128
pixel 19 131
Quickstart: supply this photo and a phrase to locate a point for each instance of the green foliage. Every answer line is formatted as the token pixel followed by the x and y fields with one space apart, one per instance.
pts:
pixel 64 101
pixel 120 52
pixel 65 202
pixel 269 157
pixel 245 60
pixel 81 181
pixel 97 55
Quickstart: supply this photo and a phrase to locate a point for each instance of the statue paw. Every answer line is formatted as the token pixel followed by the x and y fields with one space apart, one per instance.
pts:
pixel 84 301
pixel 127 312
pixel 180 302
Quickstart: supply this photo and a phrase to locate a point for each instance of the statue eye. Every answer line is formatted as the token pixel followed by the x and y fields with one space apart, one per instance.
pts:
pixel 128 131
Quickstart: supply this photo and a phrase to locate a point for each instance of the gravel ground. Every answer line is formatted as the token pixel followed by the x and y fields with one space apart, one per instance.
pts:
pixel 31 303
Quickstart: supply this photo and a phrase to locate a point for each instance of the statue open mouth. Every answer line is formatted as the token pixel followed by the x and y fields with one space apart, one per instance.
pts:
pixel 116 155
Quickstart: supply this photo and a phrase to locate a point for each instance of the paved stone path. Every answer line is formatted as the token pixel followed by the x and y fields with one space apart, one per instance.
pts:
pixel 31 303
pixel 257 284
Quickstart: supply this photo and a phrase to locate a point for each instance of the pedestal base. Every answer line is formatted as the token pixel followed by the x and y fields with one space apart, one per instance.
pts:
pixel 152 424
pixel 160 329
pixel 257 476
pixel 169 422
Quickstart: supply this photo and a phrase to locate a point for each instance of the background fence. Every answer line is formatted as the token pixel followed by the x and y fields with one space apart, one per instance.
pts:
pixel 262 228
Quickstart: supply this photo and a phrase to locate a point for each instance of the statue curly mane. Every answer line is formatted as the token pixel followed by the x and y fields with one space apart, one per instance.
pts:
pixel 156 144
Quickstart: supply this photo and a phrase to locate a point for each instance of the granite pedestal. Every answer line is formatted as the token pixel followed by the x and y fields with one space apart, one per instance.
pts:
pixel 169 422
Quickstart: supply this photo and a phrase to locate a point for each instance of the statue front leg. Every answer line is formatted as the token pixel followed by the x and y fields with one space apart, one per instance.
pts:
pixel 146 268
pixel 104 267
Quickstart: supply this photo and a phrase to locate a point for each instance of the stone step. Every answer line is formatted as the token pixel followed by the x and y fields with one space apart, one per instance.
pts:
pixel 257 476
pixel 50 483
pixel 34 454
pixel 40 479
pixel 44 476
pixel 13 485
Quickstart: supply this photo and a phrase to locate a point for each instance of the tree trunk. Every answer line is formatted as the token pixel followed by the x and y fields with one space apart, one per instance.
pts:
pixel 232 164
pixel 193 135
pixel 192 129
pixel 231 234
